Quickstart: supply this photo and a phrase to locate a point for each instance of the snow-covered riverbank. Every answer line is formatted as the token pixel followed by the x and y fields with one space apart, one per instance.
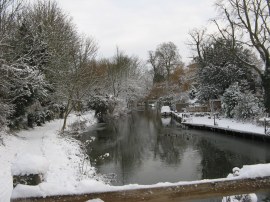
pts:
pixel 61 159
pixel 61 156
pixel 224 123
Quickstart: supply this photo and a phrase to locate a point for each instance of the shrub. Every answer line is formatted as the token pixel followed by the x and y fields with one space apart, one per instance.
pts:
pixel 240 104
pixel 230 99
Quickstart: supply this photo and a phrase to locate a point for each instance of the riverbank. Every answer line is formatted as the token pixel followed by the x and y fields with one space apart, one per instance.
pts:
pixel 61 158
pixel 224 125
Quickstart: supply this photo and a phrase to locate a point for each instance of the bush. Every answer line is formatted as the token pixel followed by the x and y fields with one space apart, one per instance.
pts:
pixel 18 123
pixel 39 118
pixel 5 111
pixel 30 120
pixel 57 110
pixel 240 104
pixel 248 107
pixel 49 115
pixel 230 99
pixel 35 118
pixel 101 107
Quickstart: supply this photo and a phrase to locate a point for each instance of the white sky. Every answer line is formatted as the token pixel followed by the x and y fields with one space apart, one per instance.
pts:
pixel 137 26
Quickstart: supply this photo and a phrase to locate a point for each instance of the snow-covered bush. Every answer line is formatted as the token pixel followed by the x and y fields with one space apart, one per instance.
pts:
pixel 49 115
pixel 36 118
pixel 248 106
pixel 240 104
pixel 5 111
pixel 17 123
pixel 102 106
pixel 192 93
pixel 230 99
pixel 241 198
pixel 56 111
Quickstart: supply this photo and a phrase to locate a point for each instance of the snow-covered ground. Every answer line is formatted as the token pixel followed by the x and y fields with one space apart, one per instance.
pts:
pixel 229 124
pixel 43 150
pixel 61 160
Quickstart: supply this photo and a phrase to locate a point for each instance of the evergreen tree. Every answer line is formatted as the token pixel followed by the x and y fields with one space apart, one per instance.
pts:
pixel 219 68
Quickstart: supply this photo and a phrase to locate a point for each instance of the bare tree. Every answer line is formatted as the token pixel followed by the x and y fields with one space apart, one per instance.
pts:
pixel 9 10
pixel 198 40
pixel 79 80
pixel 164 60
pixel 251 17
pixel 155 62
pixel 169 57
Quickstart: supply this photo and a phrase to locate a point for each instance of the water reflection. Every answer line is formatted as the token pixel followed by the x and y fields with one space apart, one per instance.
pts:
pixel 166 121
pixel 145 149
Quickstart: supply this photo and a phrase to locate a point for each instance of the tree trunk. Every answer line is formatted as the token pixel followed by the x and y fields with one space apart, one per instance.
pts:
pixel 65 116
pixel 266 86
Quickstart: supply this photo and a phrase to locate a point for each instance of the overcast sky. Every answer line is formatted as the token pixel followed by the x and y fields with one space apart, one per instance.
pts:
pixel 137 26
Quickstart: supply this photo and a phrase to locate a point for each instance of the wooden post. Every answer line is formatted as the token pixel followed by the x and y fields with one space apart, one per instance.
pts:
pixel 265 126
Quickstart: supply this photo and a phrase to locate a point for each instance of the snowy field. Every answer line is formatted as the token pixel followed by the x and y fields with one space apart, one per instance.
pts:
pixel 61 159
pixel 225 123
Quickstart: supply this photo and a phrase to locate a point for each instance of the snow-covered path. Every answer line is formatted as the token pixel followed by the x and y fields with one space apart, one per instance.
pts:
pixel 63 155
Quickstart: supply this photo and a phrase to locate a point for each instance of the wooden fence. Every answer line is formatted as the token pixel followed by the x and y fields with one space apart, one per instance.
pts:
pixel 201 190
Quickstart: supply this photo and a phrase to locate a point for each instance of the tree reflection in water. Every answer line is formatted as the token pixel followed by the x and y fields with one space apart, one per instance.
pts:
pixel 145 149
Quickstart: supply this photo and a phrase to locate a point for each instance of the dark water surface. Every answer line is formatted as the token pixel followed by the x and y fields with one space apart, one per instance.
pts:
pixel 144 148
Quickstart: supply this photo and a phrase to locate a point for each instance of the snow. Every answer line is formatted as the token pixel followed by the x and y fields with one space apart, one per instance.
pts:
pixel 253 171
pixel 165 109
pixel 224 123
pixel 248 171
pixel 241 198
pixel 43 150
pixel 106 155
pixel 95 200
pixel 165 121
pixel 264 119
pixel 24 191
pixel 25 164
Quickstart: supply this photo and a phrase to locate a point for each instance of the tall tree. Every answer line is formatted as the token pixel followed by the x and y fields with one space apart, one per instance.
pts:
pixel 159 74
pixel 22 84
pixel 251 17
pixel 164 60
pixel 9 10
pixel 169 57
pixel 219 67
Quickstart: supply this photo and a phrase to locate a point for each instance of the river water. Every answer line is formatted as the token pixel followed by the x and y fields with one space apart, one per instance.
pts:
pixel 144 148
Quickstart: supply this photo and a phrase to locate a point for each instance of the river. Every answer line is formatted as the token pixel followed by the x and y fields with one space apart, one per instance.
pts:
pixel 144 148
